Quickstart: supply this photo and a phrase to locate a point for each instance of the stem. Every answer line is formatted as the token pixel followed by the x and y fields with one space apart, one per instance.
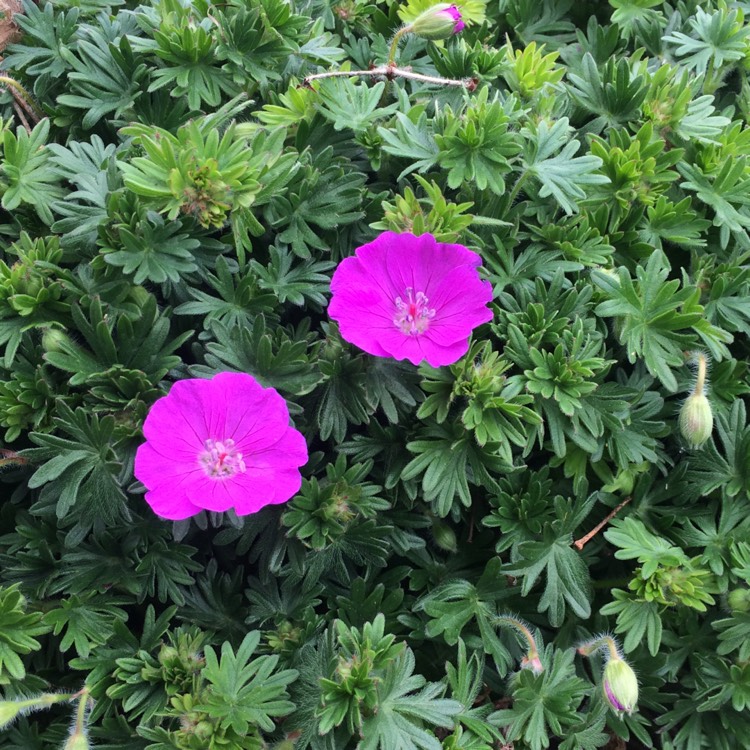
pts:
pixel 520 627
pixel 394 44
pixel 390 72
pixel 579 544
pixel 700 381
pixel 516 189
pixel 83 704
pixel 22 96
pixel 604 641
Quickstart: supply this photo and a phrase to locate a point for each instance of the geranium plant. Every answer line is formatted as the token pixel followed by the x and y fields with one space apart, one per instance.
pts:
pixel 373 375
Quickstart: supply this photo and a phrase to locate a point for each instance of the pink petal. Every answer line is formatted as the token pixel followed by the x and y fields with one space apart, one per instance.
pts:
pixel 254 416
pixel 212 494
pixel 179 418
pixel 169 504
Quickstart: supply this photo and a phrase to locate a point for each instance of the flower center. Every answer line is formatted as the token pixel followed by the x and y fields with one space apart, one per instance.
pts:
pixel 221 459
pixel 413 316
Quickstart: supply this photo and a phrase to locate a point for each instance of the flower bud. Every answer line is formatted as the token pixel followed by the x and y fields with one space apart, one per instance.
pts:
pixel 168 655
pixel 53 340
pixel 696 420
pixel 444 536
pixel 533 662
pixel 620 685
pixel 739 600
pixel 9 710
pixel 203 730
pixel 438 22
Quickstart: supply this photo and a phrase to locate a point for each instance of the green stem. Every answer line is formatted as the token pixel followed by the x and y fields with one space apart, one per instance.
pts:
pixel 700 381
pixel 83 704
pixel 394 44
pixel 520 627
pixel 516 189
pixel 604 641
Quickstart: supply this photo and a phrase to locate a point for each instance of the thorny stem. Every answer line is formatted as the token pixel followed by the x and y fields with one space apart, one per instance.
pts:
pixel 579 544
pixel 390 72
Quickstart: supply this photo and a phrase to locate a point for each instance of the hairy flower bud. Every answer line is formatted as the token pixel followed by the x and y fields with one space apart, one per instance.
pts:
pixel 533 662
pixel 696 420
pixel 439 22
pixel 53 340
pixel 620 685
pixel 444 536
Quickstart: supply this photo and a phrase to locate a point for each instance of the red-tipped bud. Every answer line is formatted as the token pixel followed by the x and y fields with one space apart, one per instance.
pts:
pixel 620 685
pixel 533 662
pixel 439 22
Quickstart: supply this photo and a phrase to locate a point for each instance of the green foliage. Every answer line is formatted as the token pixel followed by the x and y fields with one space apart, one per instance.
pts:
pixel 653 315
pixel 26 174
pixel 18 634
pixel 242 692
pixel 177 192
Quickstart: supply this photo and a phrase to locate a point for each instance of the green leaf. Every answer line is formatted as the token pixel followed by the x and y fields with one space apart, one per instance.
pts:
pixel 560 174
pixel 352 105
pixel 245 691
pixel 86 621
pixel 18 631
pixel 406 703
pixel 567 579
pixel 654 315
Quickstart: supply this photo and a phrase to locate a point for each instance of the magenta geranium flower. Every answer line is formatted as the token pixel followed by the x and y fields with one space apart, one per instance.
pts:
pixel 219 444
pixel 410 298
pixel 455 14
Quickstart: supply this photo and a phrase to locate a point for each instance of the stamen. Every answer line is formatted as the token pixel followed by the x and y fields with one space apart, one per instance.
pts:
pixel 413 316
pixel 220 459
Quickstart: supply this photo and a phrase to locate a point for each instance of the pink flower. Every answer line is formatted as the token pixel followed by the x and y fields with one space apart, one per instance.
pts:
pixel 455 14
pixel 410 298
pixel 218 444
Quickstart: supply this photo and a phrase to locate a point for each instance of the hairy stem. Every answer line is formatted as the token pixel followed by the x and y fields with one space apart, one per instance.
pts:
pixel 394 44
pixel 390 72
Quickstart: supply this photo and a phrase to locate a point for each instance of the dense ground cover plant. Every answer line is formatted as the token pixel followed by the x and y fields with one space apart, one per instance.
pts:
pixel 481 555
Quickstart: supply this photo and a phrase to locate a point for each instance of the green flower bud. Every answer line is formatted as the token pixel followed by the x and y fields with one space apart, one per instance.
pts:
pixel 696 420
pixel 439 22
pixel 620 685
pixel 54 340
pixel 168 655
pixel 444 536
pixel 203 730
pixel 739 600
pixel 9 710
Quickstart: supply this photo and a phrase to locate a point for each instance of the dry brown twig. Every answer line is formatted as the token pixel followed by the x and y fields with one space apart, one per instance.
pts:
pixel 579 544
